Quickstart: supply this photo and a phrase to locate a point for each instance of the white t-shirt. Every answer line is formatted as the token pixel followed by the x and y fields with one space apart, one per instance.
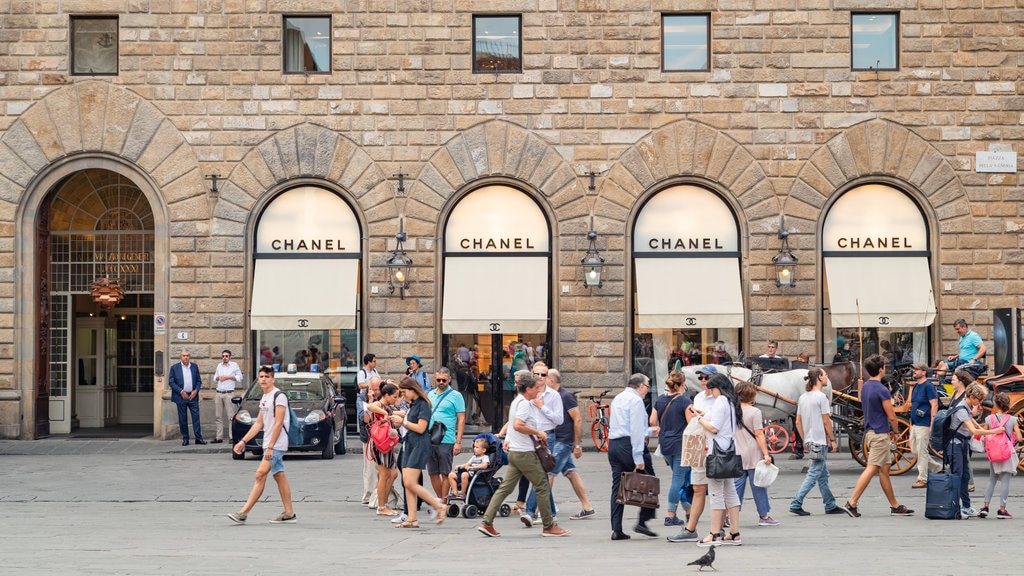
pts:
pixel 363 376
pixel 811 407
pixel 267 404
pixel 723 418
pixel 524 410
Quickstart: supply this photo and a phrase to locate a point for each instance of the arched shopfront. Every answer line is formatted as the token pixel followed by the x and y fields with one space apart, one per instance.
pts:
pixel 877 280
pixel 496 295
pixel 305 299
pixel 686 263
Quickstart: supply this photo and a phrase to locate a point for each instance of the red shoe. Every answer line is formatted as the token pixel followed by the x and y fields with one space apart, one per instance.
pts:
pixel 487 530
pixel 555 530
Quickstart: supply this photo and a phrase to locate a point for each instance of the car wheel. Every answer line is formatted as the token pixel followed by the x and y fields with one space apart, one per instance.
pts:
pixel 235 456
pixel 328 451
pixel 341 443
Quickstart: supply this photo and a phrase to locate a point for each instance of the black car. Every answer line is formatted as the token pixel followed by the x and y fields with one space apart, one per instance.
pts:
pixel 312 396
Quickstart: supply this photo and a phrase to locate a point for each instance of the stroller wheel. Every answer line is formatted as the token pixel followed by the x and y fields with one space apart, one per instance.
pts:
pixel 453 510
pixel 505 510
pixel 469 511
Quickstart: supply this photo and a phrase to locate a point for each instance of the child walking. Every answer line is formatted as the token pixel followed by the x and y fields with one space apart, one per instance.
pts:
pixel 1001 470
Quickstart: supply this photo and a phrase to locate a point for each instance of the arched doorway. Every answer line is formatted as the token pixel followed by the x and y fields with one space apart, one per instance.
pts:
pixel 496 306
pixel 97 224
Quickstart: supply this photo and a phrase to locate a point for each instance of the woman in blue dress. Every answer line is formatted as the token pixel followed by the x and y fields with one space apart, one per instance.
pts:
pixel 416 449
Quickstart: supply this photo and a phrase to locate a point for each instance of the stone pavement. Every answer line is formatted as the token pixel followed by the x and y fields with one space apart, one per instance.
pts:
pixel 143 506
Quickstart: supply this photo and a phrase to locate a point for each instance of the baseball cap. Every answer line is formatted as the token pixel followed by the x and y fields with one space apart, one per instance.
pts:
pixel 707 369
pixel 919 366
pixel 413 357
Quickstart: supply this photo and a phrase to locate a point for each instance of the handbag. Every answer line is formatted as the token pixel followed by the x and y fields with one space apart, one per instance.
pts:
pixel 724 464
pixel 639 489
pixel 547 459
pixel 381 434
pixel 694 445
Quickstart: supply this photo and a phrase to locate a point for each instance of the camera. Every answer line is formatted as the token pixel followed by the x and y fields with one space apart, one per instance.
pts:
pixel 920 413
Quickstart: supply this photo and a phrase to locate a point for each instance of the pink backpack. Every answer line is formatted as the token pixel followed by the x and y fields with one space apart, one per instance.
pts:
pixel 997 446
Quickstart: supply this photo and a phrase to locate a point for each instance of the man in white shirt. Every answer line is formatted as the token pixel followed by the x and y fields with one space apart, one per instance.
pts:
pixel 522 459
pixel 627 452
pixel 550 415
pixel 227 375
pixel 368 371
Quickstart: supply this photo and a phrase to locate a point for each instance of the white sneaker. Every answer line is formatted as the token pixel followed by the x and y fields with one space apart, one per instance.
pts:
pixel 431 513
pixel 399 519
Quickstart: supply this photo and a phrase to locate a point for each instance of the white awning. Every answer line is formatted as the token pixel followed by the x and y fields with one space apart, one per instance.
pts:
pixel 891 292
pixel 304 294
pixel 484 295
pixel 688 293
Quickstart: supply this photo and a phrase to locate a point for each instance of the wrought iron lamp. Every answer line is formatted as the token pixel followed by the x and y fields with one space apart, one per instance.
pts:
pixel 592 261
pixel 398 264
pixel 107 292
pixel 785 260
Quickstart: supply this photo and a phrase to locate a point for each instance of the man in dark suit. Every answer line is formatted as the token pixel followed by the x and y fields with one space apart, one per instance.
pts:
pixel 185 382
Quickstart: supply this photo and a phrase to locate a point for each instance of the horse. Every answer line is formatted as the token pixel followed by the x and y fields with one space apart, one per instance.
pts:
pixel 841 374
pixel 777 392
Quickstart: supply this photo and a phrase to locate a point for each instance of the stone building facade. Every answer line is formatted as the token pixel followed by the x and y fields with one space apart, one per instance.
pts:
pixel 776 132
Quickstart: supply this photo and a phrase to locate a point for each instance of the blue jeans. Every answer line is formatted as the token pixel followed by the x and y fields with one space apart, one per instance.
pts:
pixel 680 475
pixel 760 494
pixel 817 474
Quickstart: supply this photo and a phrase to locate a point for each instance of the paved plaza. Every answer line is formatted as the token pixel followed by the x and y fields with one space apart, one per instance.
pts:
pixel 141 506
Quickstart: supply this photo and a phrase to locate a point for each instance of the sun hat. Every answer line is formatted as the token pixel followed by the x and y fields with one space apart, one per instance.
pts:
pixel 413 357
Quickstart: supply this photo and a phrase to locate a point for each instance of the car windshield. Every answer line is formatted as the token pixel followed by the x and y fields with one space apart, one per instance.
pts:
pixel 297 388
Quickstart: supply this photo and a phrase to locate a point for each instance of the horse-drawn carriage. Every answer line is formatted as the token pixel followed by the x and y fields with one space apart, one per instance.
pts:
pixel 777 398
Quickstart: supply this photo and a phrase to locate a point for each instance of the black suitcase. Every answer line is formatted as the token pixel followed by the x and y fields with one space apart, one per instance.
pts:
pixel 942 502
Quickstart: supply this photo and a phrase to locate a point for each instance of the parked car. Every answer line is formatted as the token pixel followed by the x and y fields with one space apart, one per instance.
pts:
pixel 315 401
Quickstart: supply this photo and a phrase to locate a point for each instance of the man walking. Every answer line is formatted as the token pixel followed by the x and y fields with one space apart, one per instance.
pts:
pixel 449 408
pixel 627 430
pixel 226 377
pixel 568 444
pixel 548 406
pixel 184 381
pixel 522 459
pixel 275 420
pixel 814 418
pixel 879 433
pixel 924 404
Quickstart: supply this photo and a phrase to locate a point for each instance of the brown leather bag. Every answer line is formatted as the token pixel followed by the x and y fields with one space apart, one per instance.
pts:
pixel 639 489
pixel 547 460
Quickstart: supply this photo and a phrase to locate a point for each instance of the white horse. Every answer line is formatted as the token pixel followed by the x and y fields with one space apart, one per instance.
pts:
pixel 777 394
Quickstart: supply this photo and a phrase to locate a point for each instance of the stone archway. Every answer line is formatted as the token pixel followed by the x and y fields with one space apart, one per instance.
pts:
pixel 86 125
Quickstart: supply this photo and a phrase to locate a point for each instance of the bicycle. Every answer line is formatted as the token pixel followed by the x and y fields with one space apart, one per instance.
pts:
pixel 599 412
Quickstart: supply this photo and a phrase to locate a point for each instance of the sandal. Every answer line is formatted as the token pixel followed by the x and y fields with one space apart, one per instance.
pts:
pixel 386 512
pixel 716 540
pixel 732 539
pixel 442 513
pixel 408 524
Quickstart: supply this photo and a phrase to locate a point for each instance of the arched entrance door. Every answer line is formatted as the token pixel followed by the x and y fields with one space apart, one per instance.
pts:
pixel 96 225
pixel 496 303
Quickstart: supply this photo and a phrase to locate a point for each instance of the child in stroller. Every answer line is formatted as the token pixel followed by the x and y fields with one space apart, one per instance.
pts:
pixel 459 478
pixel 476 493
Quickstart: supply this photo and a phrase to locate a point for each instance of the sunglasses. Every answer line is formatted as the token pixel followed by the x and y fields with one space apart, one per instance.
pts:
pixel 703 377
pixel 541 374
pixel 441 379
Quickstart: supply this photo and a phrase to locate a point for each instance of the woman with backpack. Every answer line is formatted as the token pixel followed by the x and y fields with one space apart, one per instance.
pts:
pixel 384 453
pixel 962 424
pixel 1002 458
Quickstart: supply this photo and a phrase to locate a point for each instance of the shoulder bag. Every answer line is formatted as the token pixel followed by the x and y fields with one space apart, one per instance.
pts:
pixel 547 459
pixel 438 430
pixel 724 464
pixel 639 489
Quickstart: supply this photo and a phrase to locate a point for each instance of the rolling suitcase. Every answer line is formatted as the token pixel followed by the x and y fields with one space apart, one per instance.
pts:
pixel 942 502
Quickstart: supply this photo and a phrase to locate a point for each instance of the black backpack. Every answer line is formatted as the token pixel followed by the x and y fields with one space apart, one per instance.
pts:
pixel 940 427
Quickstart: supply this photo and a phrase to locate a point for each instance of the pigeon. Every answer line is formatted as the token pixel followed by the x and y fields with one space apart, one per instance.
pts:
pixel 705 560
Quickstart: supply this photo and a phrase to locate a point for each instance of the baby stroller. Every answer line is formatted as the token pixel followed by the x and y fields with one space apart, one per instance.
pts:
pixel 482 485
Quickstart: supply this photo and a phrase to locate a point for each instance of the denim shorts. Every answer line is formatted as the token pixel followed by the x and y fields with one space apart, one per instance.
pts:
pixel 277 462
pixel 563 458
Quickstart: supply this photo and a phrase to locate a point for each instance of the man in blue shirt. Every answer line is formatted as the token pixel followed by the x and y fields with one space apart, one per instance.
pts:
pixel 449 408
pixel 924 403
pixel 627 452
pixel 971 348
pixel 879 434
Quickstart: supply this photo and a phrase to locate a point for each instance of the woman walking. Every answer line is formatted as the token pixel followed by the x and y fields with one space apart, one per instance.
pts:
pixel 752 448
pixel 387 462
pixel 416 450
pixel 721 422
pixel 669 413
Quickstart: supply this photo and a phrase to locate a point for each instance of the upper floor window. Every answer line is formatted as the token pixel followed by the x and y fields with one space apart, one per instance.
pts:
pixel 497 44
pixel 685 42
pixel 94 45
pixel 874 41
pixel 307 44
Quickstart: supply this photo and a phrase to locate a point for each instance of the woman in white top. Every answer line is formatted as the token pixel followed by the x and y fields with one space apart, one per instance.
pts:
pixel 722 422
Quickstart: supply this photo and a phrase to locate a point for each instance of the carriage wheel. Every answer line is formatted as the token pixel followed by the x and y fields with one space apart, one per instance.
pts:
pixel 857 449
pixel 776 437
pixel 1019 414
